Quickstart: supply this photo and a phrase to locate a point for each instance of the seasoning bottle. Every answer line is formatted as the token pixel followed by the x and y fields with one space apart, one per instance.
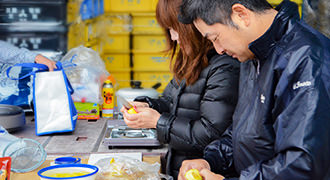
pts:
pixel 108 99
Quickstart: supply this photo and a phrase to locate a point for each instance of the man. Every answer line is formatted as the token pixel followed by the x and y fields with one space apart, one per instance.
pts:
pixel 10 54
pixel 281 123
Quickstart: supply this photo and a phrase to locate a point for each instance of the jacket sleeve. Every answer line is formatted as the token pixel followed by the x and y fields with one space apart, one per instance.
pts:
pixel 10 54
pixel 302 142
pixel 219 154
pixel 216 107
pixel 161 104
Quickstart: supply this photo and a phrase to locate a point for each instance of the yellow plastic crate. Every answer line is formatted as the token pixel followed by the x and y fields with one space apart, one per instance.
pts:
pixel 130 5
pixel 151 61
pixel 145 23
pixel 155 43
pixel 91 30
pixel 75 36
pixel 122 77
pixel 95 45
pixel 116 42
pixel 279 1
pixel 150 78
pixel 115 23
pixel 116 61
pixel 72 12
pixel 274 3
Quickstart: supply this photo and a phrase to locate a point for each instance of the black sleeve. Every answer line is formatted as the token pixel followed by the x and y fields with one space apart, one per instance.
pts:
pixel 161 104
pixel 217 106
pixel 219 154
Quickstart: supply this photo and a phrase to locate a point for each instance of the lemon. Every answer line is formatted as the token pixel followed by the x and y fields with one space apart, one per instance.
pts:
pixel 132 111
pixel 193 174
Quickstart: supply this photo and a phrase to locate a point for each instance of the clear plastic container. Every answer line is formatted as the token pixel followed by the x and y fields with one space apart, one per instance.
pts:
pixel 26 154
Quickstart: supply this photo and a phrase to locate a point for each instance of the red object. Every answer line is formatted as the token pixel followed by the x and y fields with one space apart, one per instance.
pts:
pixel 5 163
pixel 83 99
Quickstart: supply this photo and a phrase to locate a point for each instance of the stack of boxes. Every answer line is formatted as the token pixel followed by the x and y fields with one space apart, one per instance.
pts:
pixel 277 2
pixel 127 37
pixel 129 40
pixel 37 25
pixel 34 24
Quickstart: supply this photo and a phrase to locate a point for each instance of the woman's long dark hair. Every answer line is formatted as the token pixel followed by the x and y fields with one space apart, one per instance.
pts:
pixel 191 58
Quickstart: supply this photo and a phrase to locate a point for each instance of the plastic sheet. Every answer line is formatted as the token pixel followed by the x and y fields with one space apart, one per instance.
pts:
pixel 86 72
pixel 125 168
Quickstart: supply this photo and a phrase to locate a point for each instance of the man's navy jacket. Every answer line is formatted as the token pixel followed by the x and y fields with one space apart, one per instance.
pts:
pixel 281 125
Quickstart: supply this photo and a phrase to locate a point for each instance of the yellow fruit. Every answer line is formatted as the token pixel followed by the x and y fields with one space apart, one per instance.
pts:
pixel 132 111
pixel 193 174
pixel 112 160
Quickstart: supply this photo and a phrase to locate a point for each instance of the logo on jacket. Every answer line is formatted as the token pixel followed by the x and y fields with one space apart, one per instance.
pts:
pixel 262 98
pixel 301 84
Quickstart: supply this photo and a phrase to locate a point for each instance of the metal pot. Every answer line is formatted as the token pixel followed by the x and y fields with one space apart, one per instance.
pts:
pixel 11 117
pixel 136 90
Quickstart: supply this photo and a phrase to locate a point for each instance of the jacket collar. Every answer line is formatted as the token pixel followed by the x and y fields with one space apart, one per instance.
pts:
pixel 260 47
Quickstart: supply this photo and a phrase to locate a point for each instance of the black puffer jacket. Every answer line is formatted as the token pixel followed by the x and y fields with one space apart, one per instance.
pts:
pixel 281 125
pixel 193 116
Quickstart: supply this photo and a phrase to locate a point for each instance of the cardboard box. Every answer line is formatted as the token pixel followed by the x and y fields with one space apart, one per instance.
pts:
pixel 87 110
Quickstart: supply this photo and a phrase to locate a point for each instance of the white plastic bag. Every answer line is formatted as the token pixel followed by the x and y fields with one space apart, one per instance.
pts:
pixel 125 168
pixel 54 110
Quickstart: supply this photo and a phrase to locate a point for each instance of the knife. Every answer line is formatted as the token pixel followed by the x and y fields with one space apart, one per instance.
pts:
pixel 127 105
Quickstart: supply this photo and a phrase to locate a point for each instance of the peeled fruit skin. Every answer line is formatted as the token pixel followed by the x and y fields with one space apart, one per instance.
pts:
pixel 193 174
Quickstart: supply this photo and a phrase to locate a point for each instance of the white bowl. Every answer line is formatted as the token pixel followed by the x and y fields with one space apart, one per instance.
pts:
pixel 46 173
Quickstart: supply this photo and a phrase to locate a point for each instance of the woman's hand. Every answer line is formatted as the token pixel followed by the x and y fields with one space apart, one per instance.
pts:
pixel 145 118
pixel 43 60
pixel 135 104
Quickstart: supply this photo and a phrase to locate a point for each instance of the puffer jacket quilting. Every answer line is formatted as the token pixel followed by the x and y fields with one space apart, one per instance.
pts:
pixel 193 116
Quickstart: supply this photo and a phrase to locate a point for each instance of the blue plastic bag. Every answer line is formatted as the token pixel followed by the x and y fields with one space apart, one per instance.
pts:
pixel 54 109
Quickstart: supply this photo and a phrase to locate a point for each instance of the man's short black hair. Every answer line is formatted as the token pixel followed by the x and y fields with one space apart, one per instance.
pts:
pixel 216 11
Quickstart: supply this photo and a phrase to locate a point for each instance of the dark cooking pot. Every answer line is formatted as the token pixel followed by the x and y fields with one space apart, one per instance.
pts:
pixel 11 117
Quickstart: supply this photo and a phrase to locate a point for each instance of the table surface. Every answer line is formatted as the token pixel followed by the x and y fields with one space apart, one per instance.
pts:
pixel 85 140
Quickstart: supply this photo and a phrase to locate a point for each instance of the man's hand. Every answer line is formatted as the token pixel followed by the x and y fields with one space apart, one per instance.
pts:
pixel 43 60
pixel 208 175
pixel 198 164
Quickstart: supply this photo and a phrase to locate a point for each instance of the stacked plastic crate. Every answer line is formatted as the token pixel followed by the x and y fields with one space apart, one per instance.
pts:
pixel 298 2
pixel 37 25
pixel 115 44
pixel 145 41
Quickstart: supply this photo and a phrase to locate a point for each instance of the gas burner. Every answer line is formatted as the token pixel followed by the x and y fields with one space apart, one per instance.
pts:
pixel 121 135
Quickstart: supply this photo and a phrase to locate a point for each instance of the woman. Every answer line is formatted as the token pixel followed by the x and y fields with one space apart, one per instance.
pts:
pixel 197 105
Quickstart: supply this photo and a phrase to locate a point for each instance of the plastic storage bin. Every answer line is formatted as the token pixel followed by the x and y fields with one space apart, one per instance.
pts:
pixel 298 2
pixel 52 12
pixel 37 41
pixel 122 76
pixel 150 61
pixel 116 61
pixel 90 31
pixel 116 42
pixel 145 23
pixel 115 23
pixel 129 5
pixel 150 78
pixel 73 11
pixel 156 43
